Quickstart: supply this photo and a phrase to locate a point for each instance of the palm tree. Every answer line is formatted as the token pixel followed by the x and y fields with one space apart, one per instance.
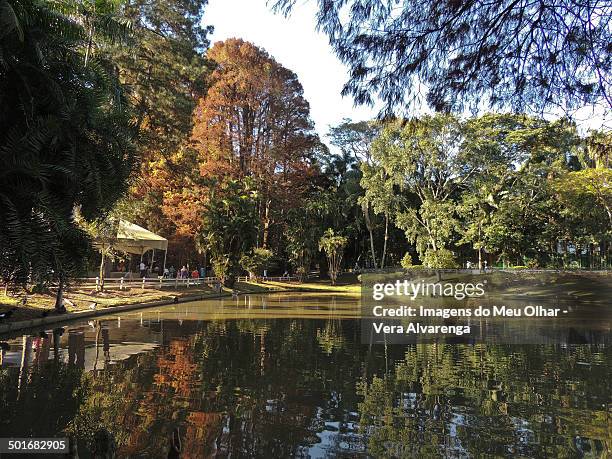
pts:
pixel 66 139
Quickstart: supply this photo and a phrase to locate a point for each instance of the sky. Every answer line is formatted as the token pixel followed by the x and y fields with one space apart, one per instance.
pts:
pixel 295 44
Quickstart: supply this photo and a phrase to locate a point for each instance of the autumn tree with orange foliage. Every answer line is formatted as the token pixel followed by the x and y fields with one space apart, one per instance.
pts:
pixel 254 124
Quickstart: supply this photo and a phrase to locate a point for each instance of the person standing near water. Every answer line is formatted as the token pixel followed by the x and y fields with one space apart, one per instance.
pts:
pixel 143 269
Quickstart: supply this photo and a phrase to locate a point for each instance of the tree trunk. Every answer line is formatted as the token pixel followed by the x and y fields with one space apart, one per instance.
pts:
pixel 384 252
pixel 266 228
pixel 332 271
pixel 101 271
pixel 479 251
pixel 366 216
pixel 59 298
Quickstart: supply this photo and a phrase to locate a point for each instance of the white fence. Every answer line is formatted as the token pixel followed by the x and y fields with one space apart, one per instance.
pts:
pixel 267 278
pixel 148 282
pixel 123 283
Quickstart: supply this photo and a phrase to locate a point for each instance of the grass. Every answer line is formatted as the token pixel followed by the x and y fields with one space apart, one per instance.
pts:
pixel 315 287
pixel 346 284
pixel 82 298
pixel 592 288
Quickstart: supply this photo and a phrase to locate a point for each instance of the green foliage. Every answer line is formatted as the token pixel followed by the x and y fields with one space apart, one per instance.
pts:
pixel 508 207
pixel 423 159
pixel 406 262
pixel 229 227
pixel 333 246
pixel 256 261
pixel 164 69
pixel 303 232
pixel 66 137
pixel 533 263
pixel 354 139
pixel 493 182
pixel 440 259
pixel 587 191
pixel 431 226
pixel 103 234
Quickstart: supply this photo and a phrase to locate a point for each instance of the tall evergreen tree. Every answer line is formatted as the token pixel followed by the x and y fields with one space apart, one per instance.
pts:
pixel 65 136
pixel 164 73
pixel 514 53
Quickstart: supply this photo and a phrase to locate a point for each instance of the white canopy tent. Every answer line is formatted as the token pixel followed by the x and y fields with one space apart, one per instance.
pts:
pixel 137 240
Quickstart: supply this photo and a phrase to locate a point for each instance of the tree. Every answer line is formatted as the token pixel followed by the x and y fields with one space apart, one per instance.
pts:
pixel 508 206
pixel 510 148
pixel 424 160
pixel 585 210
pixel 598 149
pixel 516 54
pixel 254 121
pixel 578 189
pixel 229 227
pixel 379 194
pixel 103 233
pixel 333 245
pixel 66 138
pixel 406 262
pixel 165 71
pixel 354 139
pixel 256 261
pixel 440 259
pixel 304 229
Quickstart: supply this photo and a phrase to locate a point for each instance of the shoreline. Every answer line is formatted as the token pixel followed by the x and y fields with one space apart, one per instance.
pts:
pixel 541 285
pixel 84 314
pixel 260 289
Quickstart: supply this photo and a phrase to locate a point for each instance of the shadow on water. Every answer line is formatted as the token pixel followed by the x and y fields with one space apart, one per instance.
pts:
pixel 211 379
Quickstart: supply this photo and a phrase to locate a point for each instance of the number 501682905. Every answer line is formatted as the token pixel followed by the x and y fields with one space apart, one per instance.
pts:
pixel 33 445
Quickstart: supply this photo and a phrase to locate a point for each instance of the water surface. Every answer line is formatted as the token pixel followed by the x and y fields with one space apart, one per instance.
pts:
pixel 286 376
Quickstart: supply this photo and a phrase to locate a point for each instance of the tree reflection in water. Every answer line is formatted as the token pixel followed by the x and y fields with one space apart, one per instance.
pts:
pixel 298 387
pixel 459 400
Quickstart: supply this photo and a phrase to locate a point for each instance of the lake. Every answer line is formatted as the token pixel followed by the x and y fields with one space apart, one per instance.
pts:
pixel 286 375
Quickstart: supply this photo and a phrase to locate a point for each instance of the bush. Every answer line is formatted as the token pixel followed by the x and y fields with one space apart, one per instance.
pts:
pixel 533 264
pixel 256 261
pixel 407 261
pixel 440 259
pixel 221 267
